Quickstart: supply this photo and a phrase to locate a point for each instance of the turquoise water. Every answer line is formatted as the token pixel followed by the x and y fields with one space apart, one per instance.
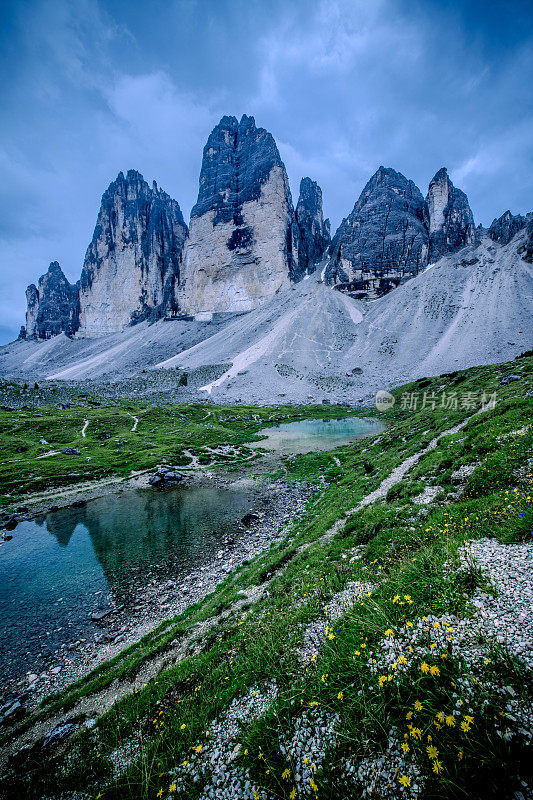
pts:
pixel 60 568
pixel 310 435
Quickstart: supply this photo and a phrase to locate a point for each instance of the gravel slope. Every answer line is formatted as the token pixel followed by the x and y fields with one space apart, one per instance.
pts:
pixel 475 307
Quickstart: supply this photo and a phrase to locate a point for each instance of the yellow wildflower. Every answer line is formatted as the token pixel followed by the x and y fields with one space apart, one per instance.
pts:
pixel 292 794
pixel 340 696
pixel 198 749
pixel 437 767
pixel 424 667
pixel 432 752
pixel 418 706
pixel 405 747
pixel 172 787
pixel 389 632
pixel 409 715
pixel 313 785
pixel 435 671
pixel 404 781
pixel 465 726
pixel 450 721
pixel 182 727
pixel 285 774
pixel 416 733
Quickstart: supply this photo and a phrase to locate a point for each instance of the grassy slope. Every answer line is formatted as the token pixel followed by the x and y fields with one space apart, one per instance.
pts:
pixel 110 447
pixel 404 554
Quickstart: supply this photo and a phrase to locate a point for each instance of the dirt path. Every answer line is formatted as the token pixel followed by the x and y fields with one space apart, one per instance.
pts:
pixel 395 477
pixel 398 474
pixel 135 423
pixel 85 424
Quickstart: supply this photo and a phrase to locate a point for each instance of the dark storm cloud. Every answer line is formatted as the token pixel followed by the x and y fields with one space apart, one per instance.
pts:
pixel 90 88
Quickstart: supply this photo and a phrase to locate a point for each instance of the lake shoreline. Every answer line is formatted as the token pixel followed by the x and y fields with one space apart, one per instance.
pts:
pixel 276 505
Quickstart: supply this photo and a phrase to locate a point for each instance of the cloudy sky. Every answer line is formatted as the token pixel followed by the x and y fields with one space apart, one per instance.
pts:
pixel 92 87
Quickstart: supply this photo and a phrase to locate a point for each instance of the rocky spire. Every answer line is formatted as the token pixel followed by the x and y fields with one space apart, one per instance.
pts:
pixel 313 230
pixel 242 241
pixel 53 306
pixel 504 228
pixel 384 238
pixel 527 249
pixel 132 265
pixel 449 218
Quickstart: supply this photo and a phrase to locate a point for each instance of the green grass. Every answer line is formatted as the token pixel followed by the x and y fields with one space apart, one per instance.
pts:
pixel 409 556
pixel 110 449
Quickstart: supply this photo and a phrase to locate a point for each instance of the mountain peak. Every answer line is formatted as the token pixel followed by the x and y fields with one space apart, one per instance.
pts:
pixel 448 216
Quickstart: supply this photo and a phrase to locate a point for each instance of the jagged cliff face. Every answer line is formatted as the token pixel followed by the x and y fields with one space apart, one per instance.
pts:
pixel 132 265
pixel 504 228
pixel 313 230
pixel 449 218
pixel 53 306
pixel 527 249
pixel 242 243
pixel 383 239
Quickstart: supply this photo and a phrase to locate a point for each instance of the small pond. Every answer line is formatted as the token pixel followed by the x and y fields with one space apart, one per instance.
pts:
pixel 60 568
pixel 311 435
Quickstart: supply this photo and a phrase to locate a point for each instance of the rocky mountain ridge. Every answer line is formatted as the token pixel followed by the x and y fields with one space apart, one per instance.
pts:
pixel 393 233
pixel 311 342
pixel 246 242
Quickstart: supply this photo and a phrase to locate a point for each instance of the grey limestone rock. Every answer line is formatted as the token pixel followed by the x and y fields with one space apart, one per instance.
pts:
pixel 384 238
pixel 242 241
pixel 527 251
pixel 52 306
pixel 132 265
pixel 504 228
pixel 313 230
pixel 448 216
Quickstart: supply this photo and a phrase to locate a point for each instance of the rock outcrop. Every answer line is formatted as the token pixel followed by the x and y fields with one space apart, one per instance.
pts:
pixel 504 228
pixel 132 265
pixel 527 249
pixel 242 243
pixel 52 306
pixel 383 240
pixel 314 235
pixel 448 217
